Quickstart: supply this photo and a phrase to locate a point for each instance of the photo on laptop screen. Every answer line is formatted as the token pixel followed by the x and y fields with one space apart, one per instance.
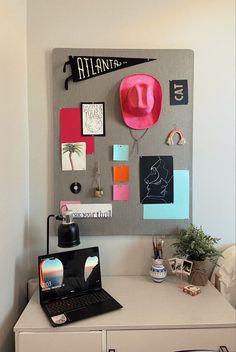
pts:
pixel 51 273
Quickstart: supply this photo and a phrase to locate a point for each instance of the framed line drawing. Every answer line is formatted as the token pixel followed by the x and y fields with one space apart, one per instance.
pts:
pixel 93 119
pixel 156 179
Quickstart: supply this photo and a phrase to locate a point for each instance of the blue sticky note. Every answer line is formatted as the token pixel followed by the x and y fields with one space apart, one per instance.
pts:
pixel 177 210
pixel 120 152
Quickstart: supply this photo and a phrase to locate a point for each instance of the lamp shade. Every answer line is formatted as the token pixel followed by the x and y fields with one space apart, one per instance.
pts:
pixel 68 235
pixel 68 232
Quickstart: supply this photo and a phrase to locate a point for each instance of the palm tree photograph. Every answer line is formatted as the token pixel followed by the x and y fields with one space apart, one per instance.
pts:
pixel 73 156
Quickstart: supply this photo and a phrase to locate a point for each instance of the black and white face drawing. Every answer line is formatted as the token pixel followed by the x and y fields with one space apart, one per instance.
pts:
pixel 156 179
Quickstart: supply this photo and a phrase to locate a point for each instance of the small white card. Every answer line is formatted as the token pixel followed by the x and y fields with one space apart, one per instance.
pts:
pixel 91 210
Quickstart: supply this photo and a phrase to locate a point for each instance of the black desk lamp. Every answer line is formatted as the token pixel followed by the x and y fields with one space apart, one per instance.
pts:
pixel 68 231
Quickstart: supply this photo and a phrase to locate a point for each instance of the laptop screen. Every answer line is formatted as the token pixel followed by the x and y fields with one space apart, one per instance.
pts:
pixel 66 274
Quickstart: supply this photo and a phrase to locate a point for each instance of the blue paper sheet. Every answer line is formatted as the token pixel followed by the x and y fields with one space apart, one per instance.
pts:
pixel 177 210
pixel 120 152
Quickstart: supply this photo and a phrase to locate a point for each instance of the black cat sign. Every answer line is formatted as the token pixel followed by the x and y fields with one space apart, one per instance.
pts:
pixel 178 92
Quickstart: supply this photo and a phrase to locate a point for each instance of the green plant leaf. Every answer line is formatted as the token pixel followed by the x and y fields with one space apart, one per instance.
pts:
pixel 194 244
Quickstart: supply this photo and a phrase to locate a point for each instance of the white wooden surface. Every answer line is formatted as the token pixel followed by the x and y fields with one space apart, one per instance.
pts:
pixel 146 305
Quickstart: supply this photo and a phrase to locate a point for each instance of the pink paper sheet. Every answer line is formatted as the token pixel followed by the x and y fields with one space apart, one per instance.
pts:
pixel 120 192
pixel 64 202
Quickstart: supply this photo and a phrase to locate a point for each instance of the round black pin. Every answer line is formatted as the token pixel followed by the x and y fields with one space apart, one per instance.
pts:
pixel 75 187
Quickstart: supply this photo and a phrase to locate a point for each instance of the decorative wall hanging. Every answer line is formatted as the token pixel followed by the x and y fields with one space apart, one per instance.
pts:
pixel 179 210
pixel 91 210
pixel 170 141
pixel 75 187
pixel 93 119
pixel 120 192
pixel 156 179
pixel 73 156
pixel 98 190
pixel 70 129
pixel 178 92
pixel 129 217
pixel 121 173
pixel 86 67
pixel 141 101
pixel 120 152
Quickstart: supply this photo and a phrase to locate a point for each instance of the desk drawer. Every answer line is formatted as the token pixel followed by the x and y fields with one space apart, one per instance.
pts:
pixel 170 340
pixel 59 341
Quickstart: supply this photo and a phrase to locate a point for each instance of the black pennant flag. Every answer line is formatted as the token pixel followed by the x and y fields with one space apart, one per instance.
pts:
pixel 86 67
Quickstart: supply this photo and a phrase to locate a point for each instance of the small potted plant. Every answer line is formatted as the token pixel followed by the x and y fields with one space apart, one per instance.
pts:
pixel 196 246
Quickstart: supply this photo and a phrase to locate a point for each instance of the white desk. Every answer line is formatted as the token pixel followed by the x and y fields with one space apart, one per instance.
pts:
pixel 155 317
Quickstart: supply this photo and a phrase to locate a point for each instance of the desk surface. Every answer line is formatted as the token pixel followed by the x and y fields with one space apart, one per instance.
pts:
pixel 146 305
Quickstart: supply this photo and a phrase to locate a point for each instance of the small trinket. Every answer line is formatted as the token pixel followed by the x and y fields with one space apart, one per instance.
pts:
pixel 192 290
pixel 98 193
pixel 170 141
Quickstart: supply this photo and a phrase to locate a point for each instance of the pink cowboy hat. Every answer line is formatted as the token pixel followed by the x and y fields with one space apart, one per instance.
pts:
pixel 141 101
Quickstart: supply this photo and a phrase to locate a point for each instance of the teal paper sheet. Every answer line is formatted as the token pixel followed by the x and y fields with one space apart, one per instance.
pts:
pixel 120 152
pixel 177 210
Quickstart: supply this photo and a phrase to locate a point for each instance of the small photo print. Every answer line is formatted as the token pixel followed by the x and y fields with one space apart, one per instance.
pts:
pixel 179 266
pixel 73 156
pixel 187 267
pixel 172 262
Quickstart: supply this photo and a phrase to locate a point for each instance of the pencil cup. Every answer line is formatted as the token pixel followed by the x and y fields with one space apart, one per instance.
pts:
pixel 158 272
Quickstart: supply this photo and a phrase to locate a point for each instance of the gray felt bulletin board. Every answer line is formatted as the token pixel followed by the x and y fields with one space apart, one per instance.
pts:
pixel 156 166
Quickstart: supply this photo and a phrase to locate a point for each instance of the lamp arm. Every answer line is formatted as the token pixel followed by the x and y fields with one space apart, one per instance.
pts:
pixel 48 220
pixel 57 217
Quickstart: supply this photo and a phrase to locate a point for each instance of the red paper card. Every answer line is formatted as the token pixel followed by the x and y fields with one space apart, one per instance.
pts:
pixel 120 173
pixel 70 129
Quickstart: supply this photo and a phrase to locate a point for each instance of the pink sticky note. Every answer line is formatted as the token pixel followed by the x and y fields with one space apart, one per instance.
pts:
pixel 120 192
pixel 70 129
pixel 64 202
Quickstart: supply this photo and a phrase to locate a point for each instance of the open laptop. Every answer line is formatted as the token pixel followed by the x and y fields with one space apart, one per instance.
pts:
pixel 70 286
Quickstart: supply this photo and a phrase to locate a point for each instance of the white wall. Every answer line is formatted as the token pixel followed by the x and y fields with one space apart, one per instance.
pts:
pixel 14 162
pixel 205 26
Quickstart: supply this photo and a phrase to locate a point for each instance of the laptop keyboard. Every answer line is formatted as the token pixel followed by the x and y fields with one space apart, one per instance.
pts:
pixel 73 303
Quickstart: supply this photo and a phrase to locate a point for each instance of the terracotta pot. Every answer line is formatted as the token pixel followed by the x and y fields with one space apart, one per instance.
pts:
pixel 199 275
pixel 98 193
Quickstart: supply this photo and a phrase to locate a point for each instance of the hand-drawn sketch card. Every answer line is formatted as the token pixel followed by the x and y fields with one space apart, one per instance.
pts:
pixel 93 119
pixel 156 179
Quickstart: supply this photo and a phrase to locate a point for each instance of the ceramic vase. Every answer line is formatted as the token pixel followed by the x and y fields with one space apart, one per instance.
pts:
pixel 158 271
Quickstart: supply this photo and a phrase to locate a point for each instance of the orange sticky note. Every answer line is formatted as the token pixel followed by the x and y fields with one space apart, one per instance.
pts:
pixel 120 173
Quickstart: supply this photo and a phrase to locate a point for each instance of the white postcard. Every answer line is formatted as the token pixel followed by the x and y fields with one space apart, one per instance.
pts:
pixel 90 210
